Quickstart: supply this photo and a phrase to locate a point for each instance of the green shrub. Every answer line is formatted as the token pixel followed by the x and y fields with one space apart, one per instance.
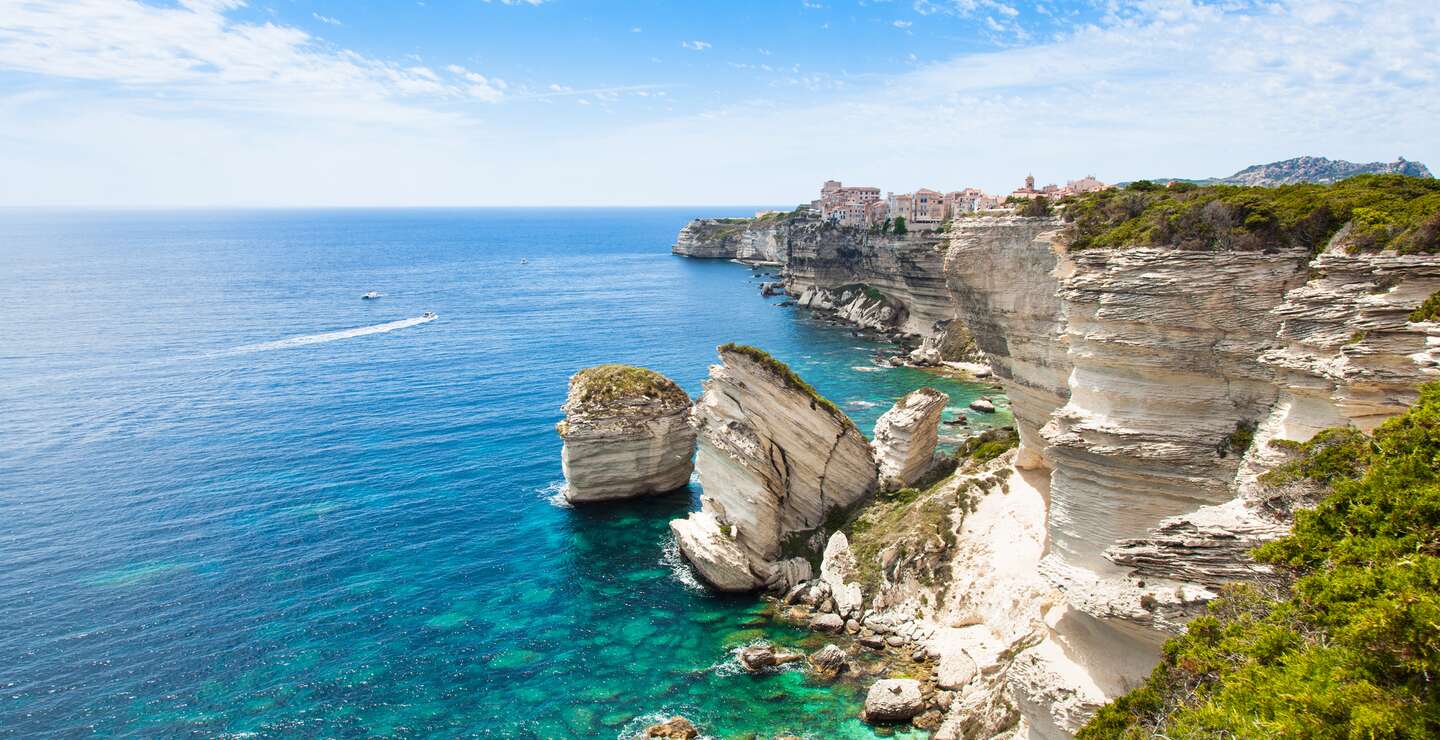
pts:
pixel 604 386
pixel 1429 310
pixel 1384 212
pixel 1347 644
pixel 1036 207
pixel 898 228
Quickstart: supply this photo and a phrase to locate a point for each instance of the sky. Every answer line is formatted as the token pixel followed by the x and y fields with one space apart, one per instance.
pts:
pixel 206 103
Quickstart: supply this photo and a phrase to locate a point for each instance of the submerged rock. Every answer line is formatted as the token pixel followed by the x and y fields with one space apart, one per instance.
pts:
pixel 893 700
pixel 626 434
pixel 983 405
pixel 776 461
pixel 675 728
pixel 905 437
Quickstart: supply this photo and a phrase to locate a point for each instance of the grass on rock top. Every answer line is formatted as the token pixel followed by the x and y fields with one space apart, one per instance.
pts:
pixel 1383 212
pixel 787 376
pixel 611 386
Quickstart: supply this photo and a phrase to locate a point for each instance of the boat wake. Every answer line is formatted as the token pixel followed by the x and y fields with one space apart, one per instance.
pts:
pixel 333 336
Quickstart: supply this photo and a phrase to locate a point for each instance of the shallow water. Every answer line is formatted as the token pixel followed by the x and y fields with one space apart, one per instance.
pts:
pixel 235 498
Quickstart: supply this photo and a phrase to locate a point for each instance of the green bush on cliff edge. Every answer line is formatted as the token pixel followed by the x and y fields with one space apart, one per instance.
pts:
pixel 1383 212
pixel 1346 642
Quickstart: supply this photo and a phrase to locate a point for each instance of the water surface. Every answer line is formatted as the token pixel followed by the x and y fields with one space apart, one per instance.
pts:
pixel 235 498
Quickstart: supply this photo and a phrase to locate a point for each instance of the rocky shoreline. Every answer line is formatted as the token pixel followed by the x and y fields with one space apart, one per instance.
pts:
pixel 1151 387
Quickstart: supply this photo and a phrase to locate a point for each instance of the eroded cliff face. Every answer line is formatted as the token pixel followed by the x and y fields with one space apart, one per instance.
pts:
pixel 884 282
pixel 776 463
pixel 906 270
pixel 747 240
pixel 1147 384
pixel 1004 275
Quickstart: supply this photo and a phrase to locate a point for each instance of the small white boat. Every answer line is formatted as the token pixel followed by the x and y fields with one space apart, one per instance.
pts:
pixel 372 295
pixel 428 315
pixel 524 260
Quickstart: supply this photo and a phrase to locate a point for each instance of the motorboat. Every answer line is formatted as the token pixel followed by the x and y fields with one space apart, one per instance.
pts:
pixel 372 295
pixel 428 315
pixel 524 260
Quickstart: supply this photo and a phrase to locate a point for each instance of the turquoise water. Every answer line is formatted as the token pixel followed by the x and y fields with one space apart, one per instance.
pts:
pixel 234 498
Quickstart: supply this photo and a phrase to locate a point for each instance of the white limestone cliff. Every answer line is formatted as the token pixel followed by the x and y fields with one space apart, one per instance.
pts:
pixel 905 438
pixel 1138 378
pixel 745 239
pixel 626 433
pixel 776 462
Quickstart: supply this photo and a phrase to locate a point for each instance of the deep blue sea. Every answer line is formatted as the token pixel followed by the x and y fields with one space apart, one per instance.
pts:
pixel 236 499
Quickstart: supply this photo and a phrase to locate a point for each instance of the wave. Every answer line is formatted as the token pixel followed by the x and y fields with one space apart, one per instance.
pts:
pixel 680 570
pixel 868 369
pixel 861 404
pixel 554 492
pixel 332 336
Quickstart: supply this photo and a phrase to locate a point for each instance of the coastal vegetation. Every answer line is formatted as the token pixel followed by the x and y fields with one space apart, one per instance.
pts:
pixel 604 386
pixel 787 376
pixel 1382 212
pixel 1345 641
pixel 1429 310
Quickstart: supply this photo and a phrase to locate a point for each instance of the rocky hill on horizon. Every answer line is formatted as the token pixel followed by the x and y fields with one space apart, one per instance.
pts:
pixel 1310 169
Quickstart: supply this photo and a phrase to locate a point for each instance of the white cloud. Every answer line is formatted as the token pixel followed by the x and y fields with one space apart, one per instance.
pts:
pixel 197 51
pixel 1159 88
pixel 695 45
pixel 327 20
pixel 902 24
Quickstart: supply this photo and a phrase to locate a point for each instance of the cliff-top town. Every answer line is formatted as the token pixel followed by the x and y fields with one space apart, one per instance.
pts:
pixel 925 208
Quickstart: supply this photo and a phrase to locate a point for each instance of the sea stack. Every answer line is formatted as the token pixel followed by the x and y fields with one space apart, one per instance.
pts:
pixel 905 438
pixel 776 461
pixel 626 433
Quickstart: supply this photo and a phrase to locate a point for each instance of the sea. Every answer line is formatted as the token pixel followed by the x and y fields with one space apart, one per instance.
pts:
pixel 237 500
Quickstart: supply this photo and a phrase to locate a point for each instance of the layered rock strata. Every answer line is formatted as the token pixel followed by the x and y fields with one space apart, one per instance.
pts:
pixel 776 462
pixel 626 433
pixel 744 239
pixel 905 438
pixel 899 276
pixel 1004 279
pixel 1147 385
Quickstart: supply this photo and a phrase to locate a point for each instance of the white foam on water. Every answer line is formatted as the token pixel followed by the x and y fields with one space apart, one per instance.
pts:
pixel 680 570
pixel 861 404
pixel 868 369
pixel 554 493
pixel 332 336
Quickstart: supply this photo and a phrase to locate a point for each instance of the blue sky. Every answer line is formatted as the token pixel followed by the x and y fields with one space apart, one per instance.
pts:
pixel 535 102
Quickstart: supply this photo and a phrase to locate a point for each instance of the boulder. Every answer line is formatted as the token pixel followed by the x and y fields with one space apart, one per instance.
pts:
pixel 626 433
pixel 829 662
pixel 955 669
pixel 757 658
pixel 928 720
pixel 675 728
pixel 831 623
pixel 893 700
pixel 776 461
pixel 983 405
pixel 905 438
pixel 838 571
pixel 712 549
